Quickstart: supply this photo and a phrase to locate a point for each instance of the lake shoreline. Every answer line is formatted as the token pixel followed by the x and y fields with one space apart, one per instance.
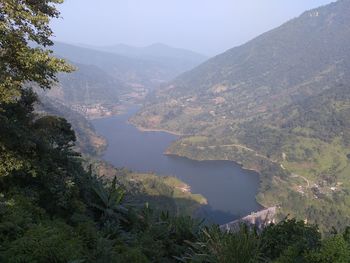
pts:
pixel 142 129
pixel 230 190
pixel 167 152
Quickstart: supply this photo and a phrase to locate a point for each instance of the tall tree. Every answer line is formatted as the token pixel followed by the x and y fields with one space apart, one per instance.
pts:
pixel 35 152
pixel 25 62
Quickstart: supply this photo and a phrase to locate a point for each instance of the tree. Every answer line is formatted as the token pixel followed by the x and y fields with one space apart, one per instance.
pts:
pixel 334 249
pixel 25 63
pixel 107 201
pixel 35 152
pixel 290 235
pixel 24 34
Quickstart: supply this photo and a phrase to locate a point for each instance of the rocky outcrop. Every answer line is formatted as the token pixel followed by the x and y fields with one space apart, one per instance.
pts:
pixel 259 220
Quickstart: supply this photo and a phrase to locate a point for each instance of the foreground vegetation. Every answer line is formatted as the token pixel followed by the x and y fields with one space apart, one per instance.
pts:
pixel 163 193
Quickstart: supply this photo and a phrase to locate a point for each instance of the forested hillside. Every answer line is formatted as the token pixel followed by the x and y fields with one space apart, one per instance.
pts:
pixel 89 85
pixel 89 91
pixel 88 142
pixel 277 104
pixel 301 58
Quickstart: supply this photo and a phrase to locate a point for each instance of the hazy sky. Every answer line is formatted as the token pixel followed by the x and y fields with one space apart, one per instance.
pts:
pixel 206 26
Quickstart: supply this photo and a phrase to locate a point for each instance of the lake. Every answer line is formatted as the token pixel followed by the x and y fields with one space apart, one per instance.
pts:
pixel 229 189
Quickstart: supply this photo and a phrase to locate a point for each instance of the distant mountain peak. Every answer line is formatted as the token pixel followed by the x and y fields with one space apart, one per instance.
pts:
pixel 159 45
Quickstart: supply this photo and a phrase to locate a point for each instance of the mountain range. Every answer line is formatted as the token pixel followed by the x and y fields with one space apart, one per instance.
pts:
pixel 147 66
pixel 178 58
pixel 106 76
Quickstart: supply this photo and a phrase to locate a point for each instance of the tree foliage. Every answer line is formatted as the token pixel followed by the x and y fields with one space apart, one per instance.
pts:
pixel 22 25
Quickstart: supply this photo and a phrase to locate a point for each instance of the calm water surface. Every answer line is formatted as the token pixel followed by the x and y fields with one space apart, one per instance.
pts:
pixel 229 189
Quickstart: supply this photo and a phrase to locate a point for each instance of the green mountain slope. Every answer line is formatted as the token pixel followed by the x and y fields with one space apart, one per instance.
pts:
pixel 279 105
pixel 89 84
pixel 302 57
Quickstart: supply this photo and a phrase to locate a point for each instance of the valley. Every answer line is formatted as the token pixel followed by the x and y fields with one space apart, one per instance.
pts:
pixel 277 105
pixel 107 79
pixel 149 153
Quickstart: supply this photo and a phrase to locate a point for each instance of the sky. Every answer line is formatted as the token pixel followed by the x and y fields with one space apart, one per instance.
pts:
pixel 205 26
